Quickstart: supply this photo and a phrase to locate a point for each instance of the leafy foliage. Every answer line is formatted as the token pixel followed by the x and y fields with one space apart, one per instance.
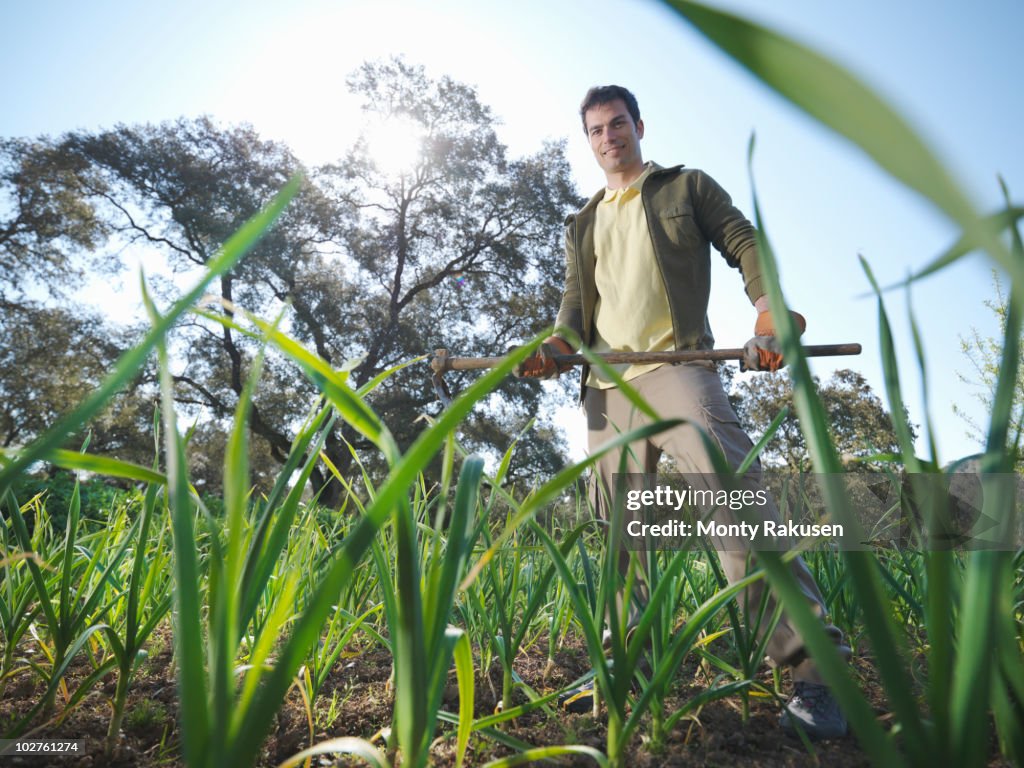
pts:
pixel 369 264
pixel 47 217
pixel 984 354
pixel 858 422
pixel 50 359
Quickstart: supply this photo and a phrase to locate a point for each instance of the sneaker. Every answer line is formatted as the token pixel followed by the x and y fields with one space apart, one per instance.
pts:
pixel 578 700
pixel 815 709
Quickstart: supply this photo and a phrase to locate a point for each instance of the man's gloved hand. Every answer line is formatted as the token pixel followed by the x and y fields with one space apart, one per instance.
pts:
pixel 763 353
pixel 541 364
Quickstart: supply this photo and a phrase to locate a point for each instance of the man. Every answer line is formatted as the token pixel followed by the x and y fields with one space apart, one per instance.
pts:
pixel 638 279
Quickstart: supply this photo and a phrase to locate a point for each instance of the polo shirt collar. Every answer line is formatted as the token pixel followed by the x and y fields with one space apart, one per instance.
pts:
pixel 612 194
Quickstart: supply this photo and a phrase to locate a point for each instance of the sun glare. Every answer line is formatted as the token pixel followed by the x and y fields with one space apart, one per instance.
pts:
pixel 395 144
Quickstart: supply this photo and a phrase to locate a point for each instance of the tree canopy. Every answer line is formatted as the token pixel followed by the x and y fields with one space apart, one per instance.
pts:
pixel 45 217
pixel 861 427
pixel 371 266
pixel 50 359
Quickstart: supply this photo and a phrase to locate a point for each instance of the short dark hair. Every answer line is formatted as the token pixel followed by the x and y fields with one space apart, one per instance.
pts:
pixel 605 94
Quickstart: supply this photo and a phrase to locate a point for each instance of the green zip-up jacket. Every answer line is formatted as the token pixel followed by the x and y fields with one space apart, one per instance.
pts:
pixel 687 212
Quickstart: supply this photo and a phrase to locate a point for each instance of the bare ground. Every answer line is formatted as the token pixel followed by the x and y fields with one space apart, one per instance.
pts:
pixel 356 701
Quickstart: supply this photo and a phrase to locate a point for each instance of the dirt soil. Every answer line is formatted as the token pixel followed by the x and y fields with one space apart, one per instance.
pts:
pixel 362 703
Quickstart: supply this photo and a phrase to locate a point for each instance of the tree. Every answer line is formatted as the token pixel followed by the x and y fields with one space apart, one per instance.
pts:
pixel 46 219
pixel 466 245
pixel 858 422
pixel 50 359
pixel 370 266
pixel 53 353
pixel 985 353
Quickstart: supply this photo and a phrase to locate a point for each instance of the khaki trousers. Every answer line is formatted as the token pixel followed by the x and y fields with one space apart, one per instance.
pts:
pixel 694 392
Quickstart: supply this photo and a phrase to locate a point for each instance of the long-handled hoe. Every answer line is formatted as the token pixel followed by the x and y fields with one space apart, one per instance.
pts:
pixel 443 362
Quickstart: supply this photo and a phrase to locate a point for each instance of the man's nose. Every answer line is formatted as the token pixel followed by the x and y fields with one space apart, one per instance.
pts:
pixel 616 134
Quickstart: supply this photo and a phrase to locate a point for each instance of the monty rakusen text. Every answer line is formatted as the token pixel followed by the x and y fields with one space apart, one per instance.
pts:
pixel 665 499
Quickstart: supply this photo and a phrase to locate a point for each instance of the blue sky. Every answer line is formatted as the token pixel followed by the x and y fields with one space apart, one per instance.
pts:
pixel 949 67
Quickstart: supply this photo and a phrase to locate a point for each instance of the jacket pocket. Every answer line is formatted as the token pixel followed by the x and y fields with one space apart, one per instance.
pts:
pixel 674 212
pixel 679 227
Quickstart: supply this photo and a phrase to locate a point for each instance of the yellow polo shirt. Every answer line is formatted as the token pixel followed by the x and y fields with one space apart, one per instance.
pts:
pixel 632 312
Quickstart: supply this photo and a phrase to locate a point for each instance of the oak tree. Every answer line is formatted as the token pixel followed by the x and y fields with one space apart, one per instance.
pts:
pixel 369 266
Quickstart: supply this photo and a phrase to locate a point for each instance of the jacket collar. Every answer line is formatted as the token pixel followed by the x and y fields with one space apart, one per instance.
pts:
pixel 599 195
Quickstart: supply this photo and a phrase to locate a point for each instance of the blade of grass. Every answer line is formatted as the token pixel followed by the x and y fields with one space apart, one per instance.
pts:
pixel 538 754
pixel 564 478
pixel 463 653
pixel 192 687
pixel 346 745
pixel 814 423
pixel 103 465
pixel 996 222
pixel 388 497
pixel 834 97
pixel 265 548
pixel 225 629
pixel 973 673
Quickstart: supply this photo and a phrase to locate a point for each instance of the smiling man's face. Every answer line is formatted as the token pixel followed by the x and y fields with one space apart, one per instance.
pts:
pixel 615 141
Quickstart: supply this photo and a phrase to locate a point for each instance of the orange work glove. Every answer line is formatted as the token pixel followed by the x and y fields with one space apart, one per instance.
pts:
pixel 763 353
pixel 541 364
